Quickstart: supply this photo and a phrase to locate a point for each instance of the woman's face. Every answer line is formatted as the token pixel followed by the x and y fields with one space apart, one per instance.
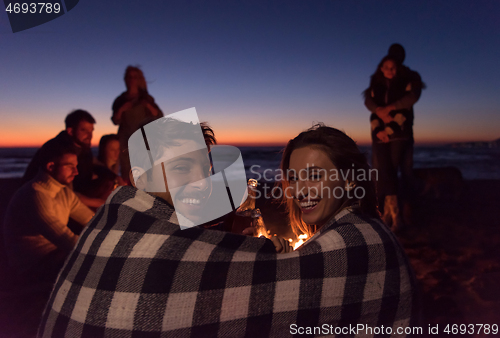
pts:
pixel 316 185
pixel 112 150
pixel 389 69
pixel 133 79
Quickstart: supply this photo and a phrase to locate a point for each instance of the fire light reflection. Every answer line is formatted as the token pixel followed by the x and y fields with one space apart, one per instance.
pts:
pixel 295 243
pixel 301 240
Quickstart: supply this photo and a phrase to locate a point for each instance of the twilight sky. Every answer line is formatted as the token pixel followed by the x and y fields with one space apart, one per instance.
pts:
pixel 258 71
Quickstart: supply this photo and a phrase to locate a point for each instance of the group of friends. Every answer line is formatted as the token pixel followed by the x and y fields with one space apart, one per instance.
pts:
pixel 125 267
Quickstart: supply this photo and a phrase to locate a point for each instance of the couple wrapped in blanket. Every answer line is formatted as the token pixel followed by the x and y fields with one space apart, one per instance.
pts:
pixel 138 271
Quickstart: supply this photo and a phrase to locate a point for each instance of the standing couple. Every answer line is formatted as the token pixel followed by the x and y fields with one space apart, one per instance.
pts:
pixel 135 272
pixel 393 91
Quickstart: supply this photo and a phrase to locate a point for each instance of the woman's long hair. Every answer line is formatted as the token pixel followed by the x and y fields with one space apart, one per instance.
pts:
pixel 378 77
pixel 105 139
pixel 143 87
pixel 403 75
pixel 344 154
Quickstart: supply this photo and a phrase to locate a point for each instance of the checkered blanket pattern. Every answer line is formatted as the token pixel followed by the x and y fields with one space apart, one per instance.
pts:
pixel 133 273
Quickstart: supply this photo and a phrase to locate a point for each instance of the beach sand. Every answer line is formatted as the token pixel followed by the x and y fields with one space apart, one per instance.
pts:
pixel 453 246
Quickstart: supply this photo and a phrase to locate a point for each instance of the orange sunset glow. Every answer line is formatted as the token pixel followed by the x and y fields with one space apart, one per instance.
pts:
pixel 34 135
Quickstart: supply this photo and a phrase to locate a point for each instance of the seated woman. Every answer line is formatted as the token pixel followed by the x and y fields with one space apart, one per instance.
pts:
pixel 109 155
pixel 109 152
pixel 106 167
pixel 324 174
pixel 330 197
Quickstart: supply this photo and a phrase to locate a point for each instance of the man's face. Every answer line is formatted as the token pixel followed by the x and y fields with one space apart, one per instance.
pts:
pixel 186 187
pixel 82 134
pixel 64 170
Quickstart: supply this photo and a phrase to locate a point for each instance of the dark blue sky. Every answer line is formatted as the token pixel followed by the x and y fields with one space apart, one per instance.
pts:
pixel 258 71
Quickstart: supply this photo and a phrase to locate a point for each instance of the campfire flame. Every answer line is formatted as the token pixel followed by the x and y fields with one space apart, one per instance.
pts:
pixel 301 240
pixel 261 232
pixel 295 244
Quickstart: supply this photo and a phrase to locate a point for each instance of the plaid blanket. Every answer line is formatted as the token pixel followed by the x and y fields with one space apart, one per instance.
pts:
pixel 133 273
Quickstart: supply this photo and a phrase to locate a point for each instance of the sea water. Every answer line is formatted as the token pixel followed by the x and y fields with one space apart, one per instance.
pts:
pixel 481 163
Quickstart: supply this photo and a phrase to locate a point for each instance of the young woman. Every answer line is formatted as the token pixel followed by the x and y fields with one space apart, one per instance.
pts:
pixel 109 152
pixel 330 197
pixel 393 91
pixel 325 173
pixel 130 110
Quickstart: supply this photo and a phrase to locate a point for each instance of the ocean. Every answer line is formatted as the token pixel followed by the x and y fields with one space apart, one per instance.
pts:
pixel 481 163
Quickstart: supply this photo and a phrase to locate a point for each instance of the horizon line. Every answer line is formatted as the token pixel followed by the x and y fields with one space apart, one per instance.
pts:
pixel 271 144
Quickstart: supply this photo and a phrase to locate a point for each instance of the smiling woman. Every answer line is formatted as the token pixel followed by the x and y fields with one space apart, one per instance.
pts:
pixel 315 190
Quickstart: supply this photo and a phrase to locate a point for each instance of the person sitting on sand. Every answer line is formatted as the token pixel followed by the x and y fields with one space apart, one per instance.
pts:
pixel 135 272
pixel 109 152
pixel 107 166
pixel 332 199
pixel 79 129
pixel 37 238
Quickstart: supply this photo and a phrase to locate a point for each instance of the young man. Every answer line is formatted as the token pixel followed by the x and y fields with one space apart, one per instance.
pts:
pixel 37 238
pixel 78 133
pixel 135 272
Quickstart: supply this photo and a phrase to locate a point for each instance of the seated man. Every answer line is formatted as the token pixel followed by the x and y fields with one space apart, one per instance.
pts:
pixel 37 239
pixel 136 272
pixel 78 133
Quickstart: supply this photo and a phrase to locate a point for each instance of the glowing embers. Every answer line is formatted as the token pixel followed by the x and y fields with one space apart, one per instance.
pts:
pixel 300 240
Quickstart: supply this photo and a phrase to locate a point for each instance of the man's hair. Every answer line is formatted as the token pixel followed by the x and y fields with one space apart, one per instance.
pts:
pixel 168 133
pixel 208 134
pixel 397 52
pixel 74 118
pixel 173 130
pixel 54 151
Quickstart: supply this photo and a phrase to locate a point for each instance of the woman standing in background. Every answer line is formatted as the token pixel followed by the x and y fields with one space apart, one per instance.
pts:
pixel 130 110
